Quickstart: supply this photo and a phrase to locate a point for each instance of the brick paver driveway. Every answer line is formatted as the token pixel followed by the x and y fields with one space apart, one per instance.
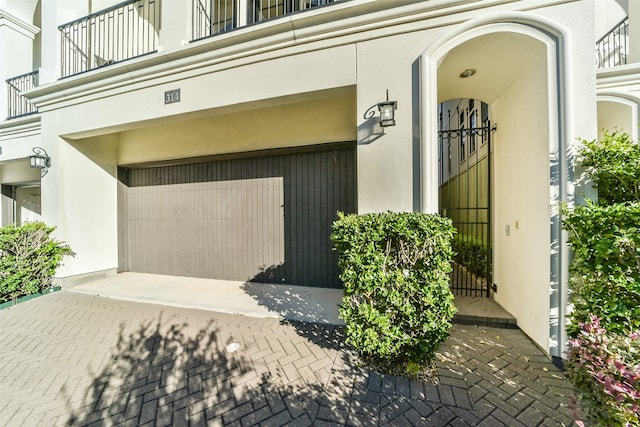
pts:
pixel 71 359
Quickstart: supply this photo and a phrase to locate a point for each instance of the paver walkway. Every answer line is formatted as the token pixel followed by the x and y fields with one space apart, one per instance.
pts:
pixel 73 359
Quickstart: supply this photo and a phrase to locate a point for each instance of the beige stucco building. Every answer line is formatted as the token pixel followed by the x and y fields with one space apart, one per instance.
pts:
pixel 218 139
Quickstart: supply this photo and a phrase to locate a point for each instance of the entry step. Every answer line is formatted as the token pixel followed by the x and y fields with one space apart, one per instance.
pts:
pixel 481 311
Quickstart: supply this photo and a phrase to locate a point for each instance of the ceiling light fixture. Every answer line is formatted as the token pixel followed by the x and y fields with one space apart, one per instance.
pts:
pixel 467 73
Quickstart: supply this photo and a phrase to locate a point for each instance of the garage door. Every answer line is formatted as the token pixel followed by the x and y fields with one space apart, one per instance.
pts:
pixel 265 217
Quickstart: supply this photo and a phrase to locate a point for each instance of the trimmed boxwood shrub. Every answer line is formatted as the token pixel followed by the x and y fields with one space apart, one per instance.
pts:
pixel 395 267
pixel 29 258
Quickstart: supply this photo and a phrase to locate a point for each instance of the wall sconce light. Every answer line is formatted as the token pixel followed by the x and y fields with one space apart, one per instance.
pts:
pixel 387 112
pixel 40 160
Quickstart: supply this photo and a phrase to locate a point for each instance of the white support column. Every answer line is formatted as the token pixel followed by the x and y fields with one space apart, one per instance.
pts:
pixel 428 134
pixel 634 32
pixel 243 13
pixel 50 43
pixel 176 25
pixel 54 14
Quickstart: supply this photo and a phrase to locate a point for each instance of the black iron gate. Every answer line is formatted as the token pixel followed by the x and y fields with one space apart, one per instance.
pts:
pixel 465 197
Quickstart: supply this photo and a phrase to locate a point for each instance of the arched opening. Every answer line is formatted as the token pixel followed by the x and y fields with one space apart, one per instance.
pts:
pixel 513 69
pixel 616 112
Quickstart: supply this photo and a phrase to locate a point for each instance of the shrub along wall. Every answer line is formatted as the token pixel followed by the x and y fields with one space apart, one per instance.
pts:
pixel 472 253
pixel 605 273
pixel 604 356
pixel 29 258
pixel 395 267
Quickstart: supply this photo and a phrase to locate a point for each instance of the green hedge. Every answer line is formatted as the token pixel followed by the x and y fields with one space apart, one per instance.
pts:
pixel 472 253
pixel 29 258
pixel 605 272
pixel 395 267
pixel 614 165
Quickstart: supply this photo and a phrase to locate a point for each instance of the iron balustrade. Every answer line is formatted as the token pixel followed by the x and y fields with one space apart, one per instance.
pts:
pixel 19 105
pixel 211 17
pixel 613 48
pixel 264 10
pixel 124 31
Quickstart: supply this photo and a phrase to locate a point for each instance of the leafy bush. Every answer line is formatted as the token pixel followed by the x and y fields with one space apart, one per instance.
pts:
pixel 605 369
pixel 397 305
pixel 29 258
pixel 614 165
pixel 603 361
pixel 472 253
pixel 605 272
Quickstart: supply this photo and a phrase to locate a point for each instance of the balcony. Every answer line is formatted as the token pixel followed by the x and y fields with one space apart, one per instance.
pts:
pixel 211 17
pixel 613 48
pixel 124 31
pixel 132 28
pixel 20 106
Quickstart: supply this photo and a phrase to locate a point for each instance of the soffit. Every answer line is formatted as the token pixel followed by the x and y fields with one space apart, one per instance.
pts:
pixel 498 58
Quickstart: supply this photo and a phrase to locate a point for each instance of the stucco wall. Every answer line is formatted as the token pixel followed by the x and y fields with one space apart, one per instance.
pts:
pixel 388 158
pixel 521 201
pixel 79 197
pixel 304 123
pixel 18 145
pixel 216 87
pixel 18 171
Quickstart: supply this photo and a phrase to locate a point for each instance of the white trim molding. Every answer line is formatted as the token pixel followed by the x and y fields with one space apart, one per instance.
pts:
pixel 16 24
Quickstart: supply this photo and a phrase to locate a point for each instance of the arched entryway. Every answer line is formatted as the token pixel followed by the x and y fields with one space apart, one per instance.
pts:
pixel 513 66
pixel 618 112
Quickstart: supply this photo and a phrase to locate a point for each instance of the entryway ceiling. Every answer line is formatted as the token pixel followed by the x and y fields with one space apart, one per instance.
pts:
pixel 497 58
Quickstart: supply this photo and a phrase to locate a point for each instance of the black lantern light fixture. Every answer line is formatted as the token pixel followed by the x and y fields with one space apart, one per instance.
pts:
pixel 40 160
pixel 387 112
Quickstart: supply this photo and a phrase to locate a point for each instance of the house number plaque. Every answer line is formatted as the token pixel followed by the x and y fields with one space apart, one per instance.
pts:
pixel 172 96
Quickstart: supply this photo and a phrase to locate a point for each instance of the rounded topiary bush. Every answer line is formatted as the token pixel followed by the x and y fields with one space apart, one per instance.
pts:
pixel 395 267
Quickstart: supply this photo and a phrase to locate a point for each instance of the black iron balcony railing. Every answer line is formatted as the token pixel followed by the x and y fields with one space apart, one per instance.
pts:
pixel 19 105
pixel 211 17
pixel 613 48
pixel 124 31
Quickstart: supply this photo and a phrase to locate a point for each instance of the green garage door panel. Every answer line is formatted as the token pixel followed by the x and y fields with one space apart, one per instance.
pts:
pixel 265 218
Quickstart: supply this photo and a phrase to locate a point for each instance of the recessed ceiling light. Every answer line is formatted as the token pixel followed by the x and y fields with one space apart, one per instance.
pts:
pixel 467 73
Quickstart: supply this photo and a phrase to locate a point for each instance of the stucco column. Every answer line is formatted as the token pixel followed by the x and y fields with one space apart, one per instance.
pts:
pixel 634 32
pixel 16 39
pixel 176 25
pixel 54 14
